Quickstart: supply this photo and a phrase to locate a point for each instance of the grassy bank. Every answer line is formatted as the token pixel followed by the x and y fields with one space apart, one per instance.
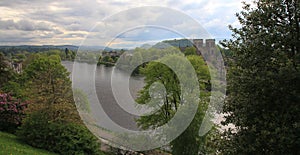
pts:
pixel 10 145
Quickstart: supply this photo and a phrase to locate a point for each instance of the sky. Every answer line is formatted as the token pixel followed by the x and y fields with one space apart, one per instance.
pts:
pixel 114 23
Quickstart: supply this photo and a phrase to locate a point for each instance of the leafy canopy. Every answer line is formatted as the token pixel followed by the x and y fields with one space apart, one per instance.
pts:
pixel 263 100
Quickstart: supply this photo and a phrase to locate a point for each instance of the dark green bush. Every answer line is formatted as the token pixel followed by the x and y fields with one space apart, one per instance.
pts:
pixel 59 136
pixel 11 112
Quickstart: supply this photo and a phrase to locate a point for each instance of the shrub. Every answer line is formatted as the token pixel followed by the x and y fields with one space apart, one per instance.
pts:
pixel 62 136
pixel 64 112
pixel 11 112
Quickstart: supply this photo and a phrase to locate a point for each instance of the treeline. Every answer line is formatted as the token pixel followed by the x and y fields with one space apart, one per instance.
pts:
pixel 34 49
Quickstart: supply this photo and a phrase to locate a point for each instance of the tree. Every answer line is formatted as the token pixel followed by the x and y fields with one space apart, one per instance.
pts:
pixel 263 100
pixel 105 58
pixel 189 141
pixel 47 81
pixel 190 51
pixel 67 52
pixel 136 60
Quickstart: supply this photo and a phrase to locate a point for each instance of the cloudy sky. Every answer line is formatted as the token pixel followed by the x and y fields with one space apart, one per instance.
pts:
pixel 44 22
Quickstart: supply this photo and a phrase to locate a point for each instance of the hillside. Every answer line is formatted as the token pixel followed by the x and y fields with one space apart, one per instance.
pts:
pixel 9 144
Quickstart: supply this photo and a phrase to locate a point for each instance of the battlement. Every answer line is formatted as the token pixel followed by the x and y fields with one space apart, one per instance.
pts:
pixel 200 43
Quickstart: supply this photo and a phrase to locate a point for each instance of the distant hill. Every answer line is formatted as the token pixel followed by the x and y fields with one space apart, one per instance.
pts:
pixel 174 43
pixel 36 48
pixel 41 48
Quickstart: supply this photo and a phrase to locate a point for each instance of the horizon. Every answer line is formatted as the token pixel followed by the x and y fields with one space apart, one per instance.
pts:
pixel 103 47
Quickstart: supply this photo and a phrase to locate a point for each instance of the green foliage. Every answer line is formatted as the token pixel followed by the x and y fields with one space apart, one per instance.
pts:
pixel 10 80
pixel 106 58
pixel 189 142
pixel 30 58
pixel 110 60
pixel 263 102
pixel 67 54
pixel 19 57
pixel 47 81
pixel 190 51
pixel 11 112
pixel 81 100
pixel 53 129
pixel 52 120
pixel 13 87
pixel 10 144
pixel 129 60
pixel 136 61
pixel 193 143
pixel 201 70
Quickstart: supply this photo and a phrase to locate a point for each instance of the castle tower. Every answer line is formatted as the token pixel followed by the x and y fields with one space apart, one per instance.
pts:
pixel 198 43
pixel 210 45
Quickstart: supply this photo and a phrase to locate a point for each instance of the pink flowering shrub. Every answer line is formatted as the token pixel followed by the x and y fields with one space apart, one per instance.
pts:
pixel 11 112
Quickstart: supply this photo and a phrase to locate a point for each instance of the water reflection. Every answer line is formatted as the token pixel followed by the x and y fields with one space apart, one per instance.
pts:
pixel 102 76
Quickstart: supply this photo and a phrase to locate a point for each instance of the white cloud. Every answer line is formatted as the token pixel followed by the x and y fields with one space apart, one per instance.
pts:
pixel 68 21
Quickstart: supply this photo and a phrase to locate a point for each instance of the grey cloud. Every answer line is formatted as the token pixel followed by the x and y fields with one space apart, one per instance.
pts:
pixel 15 37
pixel 71 35
pixel 71 15
pixel 24 25
pixel 7 24
pixel 119 3
pixel 79 27
pixel 44 19
pixel 20 3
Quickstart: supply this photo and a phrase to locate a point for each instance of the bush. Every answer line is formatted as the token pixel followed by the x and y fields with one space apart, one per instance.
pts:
pixel 64 112
pixel 11 113
pixel 60 136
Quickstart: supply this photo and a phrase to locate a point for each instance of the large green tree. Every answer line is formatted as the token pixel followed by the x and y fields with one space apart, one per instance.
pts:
pixel 263 100
pixel 190 51
pixel 47 85
pixel 47 81
pixel 189 142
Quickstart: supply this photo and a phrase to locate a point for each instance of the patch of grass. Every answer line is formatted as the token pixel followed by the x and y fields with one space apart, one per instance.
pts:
pixel 10 145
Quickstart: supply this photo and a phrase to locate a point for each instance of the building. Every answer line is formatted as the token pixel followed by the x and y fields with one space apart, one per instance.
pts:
pixel 110 53
pixel 204 47
pixel 16 66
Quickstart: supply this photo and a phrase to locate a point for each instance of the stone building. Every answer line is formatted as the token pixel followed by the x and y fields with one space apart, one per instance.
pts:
pixel 207 47
pixel 16 66
pixel 111 53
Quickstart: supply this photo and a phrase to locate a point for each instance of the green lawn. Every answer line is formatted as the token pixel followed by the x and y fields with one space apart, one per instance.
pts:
pixel 10 145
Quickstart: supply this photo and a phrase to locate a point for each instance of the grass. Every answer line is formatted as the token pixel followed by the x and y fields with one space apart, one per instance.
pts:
pixel 10 145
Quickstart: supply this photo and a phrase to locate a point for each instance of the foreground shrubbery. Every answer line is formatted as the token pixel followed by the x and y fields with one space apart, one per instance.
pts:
pixel 51 121
pixel 10 144
pixel 59 135
pixel 11 112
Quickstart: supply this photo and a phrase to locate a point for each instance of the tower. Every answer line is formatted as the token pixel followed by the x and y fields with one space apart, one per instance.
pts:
pixel 210 46
pixel 198 43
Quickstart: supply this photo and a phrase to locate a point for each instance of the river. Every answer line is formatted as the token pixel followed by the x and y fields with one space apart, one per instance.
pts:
pixel 103 76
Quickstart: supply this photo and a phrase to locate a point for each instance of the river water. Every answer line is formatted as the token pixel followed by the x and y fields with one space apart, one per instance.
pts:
pixel 103 76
